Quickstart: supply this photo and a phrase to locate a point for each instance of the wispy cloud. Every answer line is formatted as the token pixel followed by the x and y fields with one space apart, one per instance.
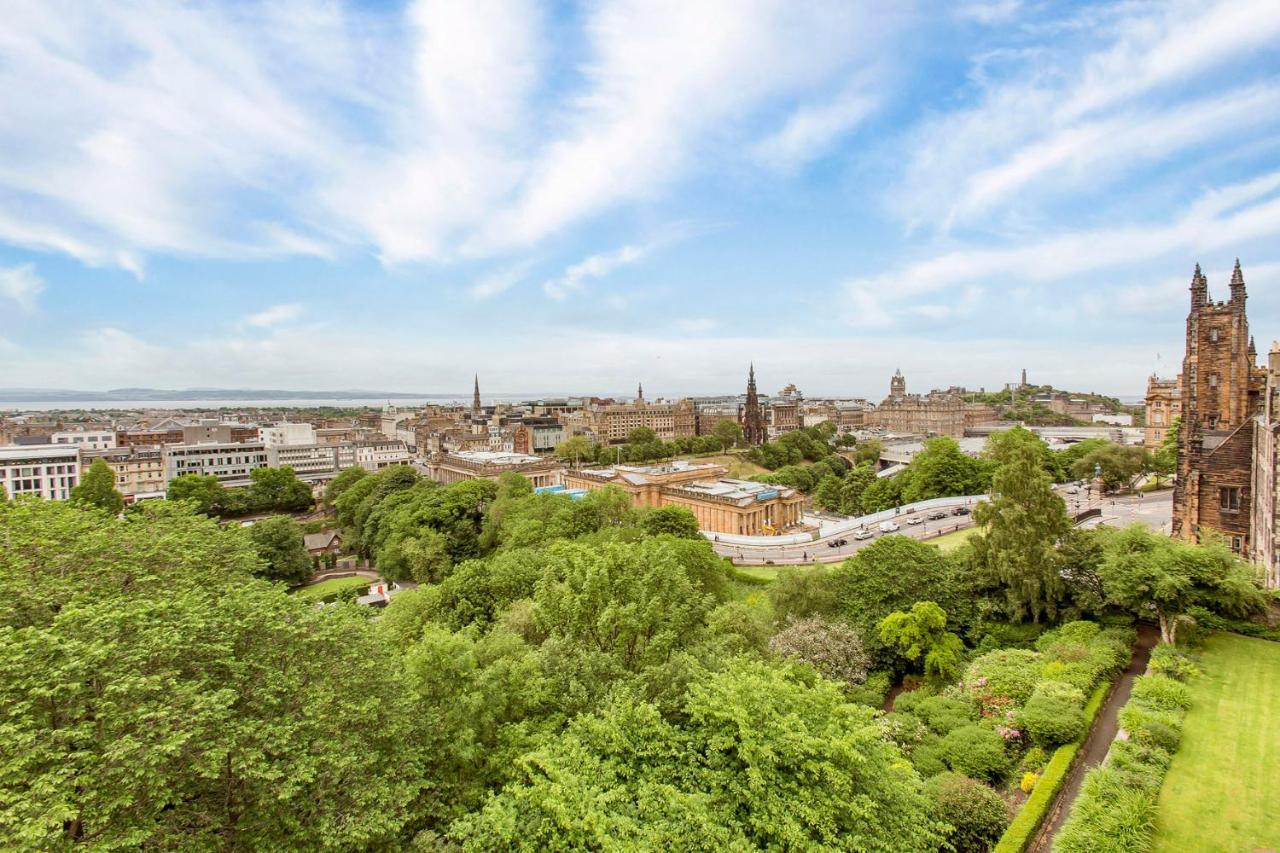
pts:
pixel 812 129
pixel 275 315
pixel 595 266
pixel 21 286
pixel 499 281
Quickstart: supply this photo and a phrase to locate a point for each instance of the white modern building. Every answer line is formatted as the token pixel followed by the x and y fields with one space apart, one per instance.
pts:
pixel 97 439
pixel 231 463
pixel 313 462
pixel 375 455
pixel 50 471
pixel 286 434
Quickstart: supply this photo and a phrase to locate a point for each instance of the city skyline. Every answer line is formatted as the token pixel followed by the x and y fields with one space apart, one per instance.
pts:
pixel 398 195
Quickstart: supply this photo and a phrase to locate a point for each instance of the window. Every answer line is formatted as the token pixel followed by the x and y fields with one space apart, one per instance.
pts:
pixel 1213 336
pixel 1237 544
pixel 1229 498
pixel 1213 380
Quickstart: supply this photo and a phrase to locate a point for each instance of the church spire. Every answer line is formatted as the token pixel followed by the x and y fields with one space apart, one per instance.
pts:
pixel 640 392
pixel 1199 289
pixel 752 415
pixel 1237 285
pixel 475 397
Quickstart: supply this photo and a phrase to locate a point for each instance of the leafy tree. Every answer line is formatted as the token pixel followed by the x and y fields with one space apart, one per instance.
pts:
pixel 766 760
pixel 675 520
pixel 941 469
pixel 1164 462
pixel 642 435
pixel 1118 465
pixel 728 433
pixel 827 495
pixel 1145 572
pixel 801 593
pixel 922 632
pixel 832 649
pixel 869 451
pixel 97 488
pixel 278 488
pixel 154 695
pixel 1022 525
pixel 870 585
pixel 339 484
pixel 575 449
pixel 205 492
pixel 882 493
pixel 853 487
pixel 279 542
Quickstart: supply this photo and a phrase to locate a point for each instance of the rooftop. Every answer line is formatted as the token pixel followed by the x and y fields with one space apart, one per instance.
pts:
pixel 734 489
pixel 495 457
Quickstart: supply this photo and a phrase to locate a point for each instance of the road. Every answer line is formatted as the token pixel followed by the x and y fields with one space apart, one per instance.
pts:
pixel 1154 509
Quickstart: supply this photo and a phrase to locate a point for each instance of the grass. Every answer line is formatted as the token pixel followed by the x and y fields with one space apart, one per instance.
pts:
pixel 951 541
pixel 324 589
pixel 1224 783
pixel 738 466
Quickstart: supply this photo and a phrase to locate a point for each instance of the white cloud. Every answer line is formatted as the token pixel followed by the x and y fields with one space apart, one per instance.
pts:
pixel 499 281
pixel 593 267
pixel 246 131
pixel 1087 106
pixel 1232 216
pixel 814 128
pixel 988 11
pixel 275 315
pixel 21 286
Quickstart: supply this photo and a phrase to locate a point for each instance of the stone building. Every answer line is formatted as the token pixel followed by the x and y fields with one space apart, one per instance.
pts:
pixel 935 413
pixel 1221 390
pixel 753 428
pixel 721 504
pixel 1164 406
pixel 612 424
pixel 490 465
pixel 1266 476
pixel 139 471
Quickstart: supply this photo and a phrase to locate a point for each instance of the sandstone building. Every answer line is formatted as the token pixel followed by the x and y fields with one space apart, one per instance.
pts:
pixel 1221 390
pixel 935 413
pixel 1163 406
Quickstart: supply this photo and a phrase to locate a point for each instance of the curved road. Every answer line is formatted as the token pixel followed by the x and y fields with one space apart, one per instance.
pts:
pixel 1154 509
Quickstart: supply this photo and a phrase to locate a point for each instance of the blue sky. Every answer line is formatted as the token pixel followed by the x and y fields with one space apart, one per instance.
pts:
pixel 576 197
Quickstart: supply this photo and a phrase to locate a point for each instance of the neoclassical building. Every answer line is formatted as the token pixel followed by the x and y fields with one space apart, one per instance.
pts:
pixel 490 465
pixel 721 504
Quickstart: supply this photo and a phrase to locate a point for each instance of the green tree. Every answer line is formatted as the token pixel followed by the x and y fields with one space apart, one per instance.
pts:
pixel 279 542
pixel 1117 465
pixel 869 451
pixel 642 435
pixel 575 449
pixel 154 695
pixel 728 433
pixel 97 488
pixel 1164 462
pixel 277 488
pixel 675 520
pixel 205 492
pixel 339 484
pixel 1023 523
pixel 827 495
pixel 765 759
pixel 941 469
pixel 1147 573
pixel 871 584
pixel 922 632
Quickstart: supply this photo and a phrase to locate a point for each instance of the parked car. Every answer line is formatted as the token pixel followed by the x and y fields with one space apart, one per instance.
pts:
pixel 937 514
pixel 863 534
pixel 916 519
pixel 889 527
pixel 960 510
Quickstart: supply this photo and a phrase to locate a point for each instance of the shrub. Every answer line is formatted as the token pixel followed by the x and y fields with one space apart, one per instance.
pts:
pixel 1144 766
pixel 909 700
pixel 1005 635
pixel 1168 661
pixel 1028 782
pixel 1151 727
pixel 1078 633
pixel 833 649
pixel 906 730
pixel 927 759
pixel 1161 693
pixel 1054 714
pixel 944 715
pixel 1034 760
pixel 975 751
pixel 977 815
pixel 1005 674
pixel 1108 815
pixel 873 691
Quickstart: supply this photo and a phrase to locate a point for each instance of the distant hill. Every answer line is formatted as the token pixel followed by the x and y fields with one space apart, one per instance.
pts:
pixel 54 395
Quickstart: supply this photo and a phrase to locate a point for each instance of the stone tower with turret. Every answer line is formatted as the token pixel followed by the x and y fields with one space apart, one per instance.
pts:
pixel 897 386
pixel 1221 389
pixel 753 431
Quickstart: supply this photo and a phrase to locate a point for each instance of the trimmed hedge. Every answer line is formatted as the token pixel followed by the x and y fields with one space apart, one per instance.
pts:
pixel 1116 807
pixel 1033 812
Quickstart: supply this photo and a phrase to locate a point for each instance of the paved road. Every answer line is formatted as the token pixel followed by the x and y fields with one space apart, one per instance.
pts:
pixel 1154 509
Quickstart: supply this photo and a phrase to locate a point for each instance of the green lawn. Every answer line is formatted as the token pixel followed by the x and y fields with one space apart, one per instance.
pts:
pixel 1223 788
pixel 329 587
pixel 951 541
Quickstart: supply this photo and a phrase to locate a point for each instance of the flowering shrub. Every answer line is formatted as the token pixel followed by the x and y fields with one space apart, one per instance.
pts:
pixel 832 649
pixel 1028 782
pixel 1008 674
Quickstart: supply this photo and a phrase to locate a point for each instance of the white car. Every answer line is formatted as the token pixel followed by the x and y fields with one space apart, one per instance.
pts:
pixel 916 519
pixel 863 534
pixel 889 527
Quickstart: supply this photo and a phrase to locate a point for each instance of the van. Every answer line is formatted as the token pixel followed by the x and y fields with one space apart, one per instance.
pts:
pixel 889 527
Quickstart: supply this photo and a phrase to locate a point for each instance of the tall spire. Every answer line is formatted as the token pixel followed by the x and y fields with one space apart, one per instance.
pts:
pixel 1237 285
pixel 752 417
pixel 1199 289
pixel 475 397
pixel 640 392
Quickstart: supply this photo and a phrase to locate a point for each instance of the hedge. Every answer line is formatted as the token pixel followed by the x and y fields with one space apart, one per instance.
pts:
pixel 1033 812
pixel 1116 807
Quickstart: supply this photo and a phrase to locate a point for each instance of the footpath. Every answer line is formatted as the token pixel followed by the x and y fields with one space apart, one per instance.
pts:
pixel 1098 743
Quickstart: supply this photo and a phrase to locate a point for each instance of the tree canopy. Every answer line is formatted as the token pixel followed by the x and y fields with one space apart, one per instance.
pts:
pixel 98 488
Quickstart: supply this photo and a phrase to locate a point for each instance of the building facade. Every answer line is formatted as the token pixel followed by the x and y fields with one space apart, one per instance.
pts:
pixel 935 413
pixel 231 463
pixel 103 439
pixel 139 471
pixel 1163 407
pixel 1221 390
pixel 48 471
pixel 720 504
pixel 1266 476
pixel 490 465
